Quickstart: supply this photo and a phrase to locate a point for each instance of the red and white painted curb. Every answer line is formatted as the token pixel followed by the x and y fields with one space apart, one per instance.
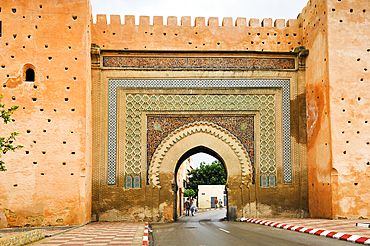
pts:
pixel 145 237
pixel 332 234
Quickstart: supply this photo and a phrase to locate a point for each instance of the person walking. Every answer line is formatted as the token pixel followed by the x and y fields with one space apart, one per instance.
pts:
pixel 187 207
pixel 192 207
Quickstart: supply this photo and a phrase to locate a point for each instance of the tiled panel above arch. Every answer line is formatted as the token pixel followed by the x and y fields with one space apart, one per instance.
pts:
pixel 137 102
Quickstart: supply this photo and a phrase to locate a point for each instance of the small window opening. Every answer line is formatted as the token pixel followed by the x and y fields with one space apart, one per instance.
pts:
pixel 30 75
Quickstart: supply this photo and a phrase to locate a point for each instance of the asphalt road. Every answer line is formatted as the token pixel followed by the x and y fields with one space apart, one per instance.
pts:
pixel 207 229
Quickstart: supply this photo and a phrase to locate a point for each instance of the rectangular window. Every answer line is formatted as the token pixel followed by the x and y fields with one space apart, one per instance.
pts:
pixel 203 194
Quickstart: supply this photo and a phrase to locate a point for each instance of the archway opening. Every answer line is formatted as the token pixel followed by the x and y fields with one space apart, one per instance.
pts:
pixel 203 183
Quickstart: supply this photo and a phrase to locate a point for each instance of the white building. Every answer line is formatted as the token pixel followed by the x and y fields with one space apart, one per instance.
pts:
pixel 208 193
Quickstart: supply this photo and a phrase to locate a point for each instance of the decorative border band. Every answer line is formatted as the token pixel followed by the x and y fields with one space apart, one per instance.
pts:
pixel 114 84
pixel 199 62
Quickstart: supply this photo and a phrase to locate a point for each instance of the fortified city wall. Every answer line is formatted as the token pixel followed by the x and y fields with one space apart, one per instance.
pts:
pixel 242 35
pixel 48 182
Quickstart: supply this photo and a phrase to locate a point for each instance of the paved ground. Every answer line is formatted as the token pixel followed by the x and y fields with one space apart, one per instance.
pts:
pixel 206 229
pixel 343 226
pixel 99 233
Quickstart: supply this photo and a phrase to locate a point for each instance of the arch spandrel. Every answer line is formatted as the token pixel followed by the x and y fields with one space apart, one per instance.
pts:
pixel 196 134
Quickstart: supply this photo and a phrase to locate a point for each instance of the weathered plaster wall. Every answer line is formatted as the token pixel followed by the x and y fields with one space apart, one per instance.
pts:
pixel 314 22
pixel 241 35
pixel 337 107
pixel 349 58
pixel 48 182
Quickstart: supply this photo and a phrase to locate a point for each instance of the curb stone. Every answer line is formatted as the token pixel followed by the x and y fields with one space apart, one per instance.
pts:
pixel 319 232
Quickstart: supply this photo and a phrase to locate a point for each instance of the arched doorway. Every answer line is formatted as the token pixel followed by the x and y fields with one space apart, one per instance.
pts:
pixel 178 195
pixel 190 139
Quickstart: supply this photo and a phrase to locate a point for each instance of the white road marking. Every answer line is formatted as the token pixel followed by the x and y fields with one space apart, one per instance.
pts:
pixel 223 230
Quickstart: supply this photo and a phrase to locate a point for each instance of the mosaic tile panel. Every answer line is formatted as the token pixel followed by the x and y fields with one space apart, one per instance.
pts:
pixel 242 127
pixel 199 62
pixel 189 83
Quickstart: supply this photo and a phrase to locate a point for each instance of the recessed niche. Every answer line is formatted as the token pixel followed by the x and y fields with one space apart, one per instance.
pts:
pixel 43 152
pixel 50 58
pixel 74 17
pixel 66 68
pixel 64 142
pixel 34 99
pixel 72 109
pixel 55 110
pixel 64 163
pixel 66 99
pixel 27 152
pixel 72 174
pixel 73 152
pixel 46 46
pixel 28 131
pixel 355 184
pixel 44 130
pixel 15 185
pixel 35 163
pixel 34 141
pixel 358 132
pixel 49 120
pixel 42 174
pixel 14 11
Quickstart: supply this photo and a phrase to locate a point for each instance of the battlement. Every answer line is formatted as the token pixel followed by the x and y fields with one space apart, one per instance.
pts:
pixel 241 35
pixel 101 19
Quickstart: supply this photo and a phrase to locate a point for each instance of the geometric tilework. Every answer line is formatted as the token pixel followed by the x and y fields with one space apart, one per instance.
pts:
pixel 220 63
pixel 136 103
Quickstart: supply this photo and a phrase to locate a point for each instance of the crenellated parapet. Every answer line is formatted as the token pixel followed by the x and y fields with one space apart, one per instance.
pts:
pixel 241 35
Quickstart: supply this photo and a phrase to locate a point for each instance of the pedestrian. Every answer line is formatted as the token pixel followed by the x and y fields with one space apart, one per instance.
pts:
pixel 187 207
pixel 192 207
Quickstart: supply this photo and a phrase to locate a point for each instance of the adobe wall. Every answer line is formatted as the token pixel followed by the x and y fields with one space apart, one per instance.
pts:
pixel 349 57
pixel 337 107
pixel 315 28
pixel 48 182
pixel 242 35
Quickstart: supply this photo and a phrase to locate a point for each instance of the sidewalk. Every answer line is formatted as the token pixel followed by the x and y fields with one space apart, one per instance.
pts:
pixel 339 229
pixel 99 233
